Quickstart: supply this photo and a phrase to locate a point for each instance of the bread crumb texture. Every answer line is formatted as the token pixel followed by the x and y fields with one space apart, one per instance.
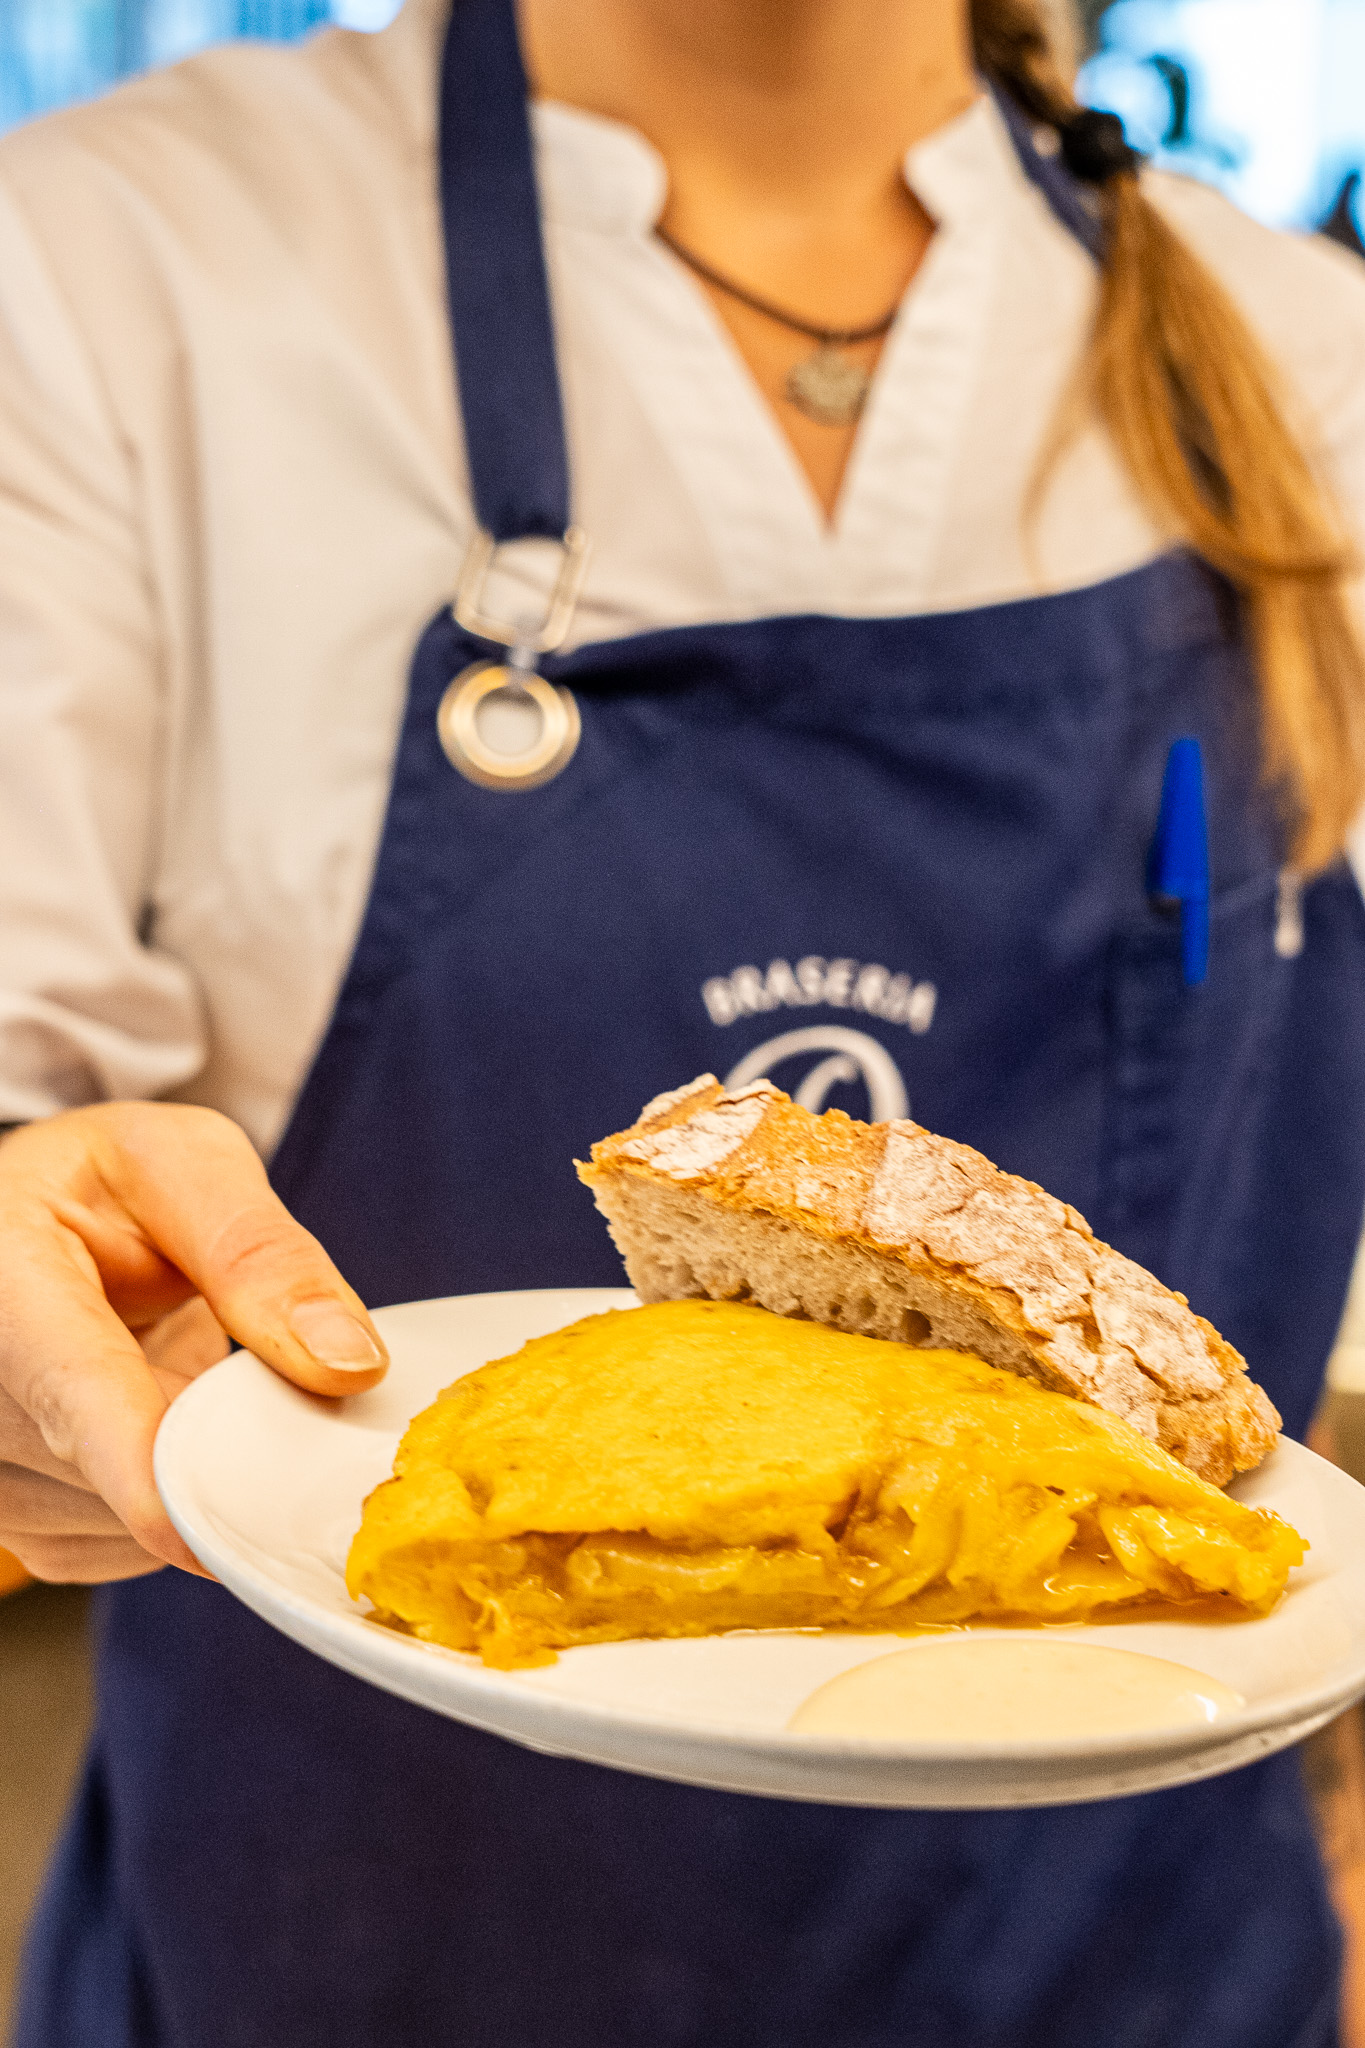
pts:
pixel 891 1231
pixel 696 1466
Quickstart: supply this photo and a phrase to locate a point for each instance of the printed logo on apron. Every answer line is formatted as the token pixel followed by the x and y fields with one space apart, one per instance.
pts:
pixel 849 1056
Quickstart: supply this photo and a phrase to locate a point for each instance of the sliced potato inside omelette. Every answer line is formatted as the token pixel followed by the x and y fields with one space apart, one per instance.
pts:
pixel 697 1466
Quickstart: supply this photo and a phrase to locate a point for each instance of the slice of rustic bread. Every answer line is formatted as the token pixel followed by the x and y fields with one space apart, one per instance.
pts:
pixel 888 1230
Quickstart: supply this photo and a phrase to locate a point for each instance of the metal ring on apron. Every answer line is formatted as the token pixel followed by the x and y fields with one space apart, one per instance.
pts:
pixel 457 722
pixel 457 716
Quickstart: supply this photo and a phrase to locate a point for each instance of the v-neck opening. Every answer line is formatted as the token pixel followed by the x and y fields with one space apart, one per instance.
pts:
pixel 769 543
pixel 823 526
pixel 624 189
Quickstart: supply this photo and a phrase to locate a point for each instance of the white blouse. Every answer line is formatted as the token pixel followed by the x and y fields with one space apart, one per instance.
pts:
pixel 232 492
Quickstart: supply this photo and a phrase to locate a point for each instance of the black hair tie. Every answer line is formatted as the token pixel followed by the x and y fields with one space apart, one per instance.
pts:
pixel 1095 148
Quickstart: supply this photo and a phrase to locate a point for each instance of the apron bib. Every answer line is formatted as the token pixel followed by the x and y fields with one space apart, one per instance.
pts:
pixel 893 863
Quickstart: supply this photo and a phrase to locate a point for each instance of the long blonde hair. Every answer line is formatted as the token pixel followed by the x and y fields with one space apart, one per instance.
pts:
pixel 1189 401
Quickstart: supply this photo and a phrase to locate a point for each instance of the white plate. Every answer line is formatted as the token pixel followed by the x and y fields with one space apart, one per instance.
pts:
pixel 265 1484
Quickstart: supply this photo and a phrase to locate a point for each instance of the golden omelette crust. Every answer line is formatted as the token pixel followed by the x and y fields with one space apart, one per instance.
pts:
pixel 893 1231
pixel 696 1466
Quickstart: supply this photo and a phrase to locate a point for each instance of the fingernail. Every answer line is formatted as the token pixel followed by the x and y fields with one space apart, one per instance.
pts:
pixel 335 1337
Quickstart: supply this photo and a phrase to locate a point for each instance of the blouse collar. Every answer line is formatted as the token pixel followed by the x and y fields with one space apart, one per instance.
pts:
pixel 599 173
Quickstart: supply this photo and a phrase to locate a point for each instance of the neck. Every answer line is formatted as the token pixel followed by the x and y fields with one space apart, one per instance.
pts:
pixel 783 126
pixel 782 106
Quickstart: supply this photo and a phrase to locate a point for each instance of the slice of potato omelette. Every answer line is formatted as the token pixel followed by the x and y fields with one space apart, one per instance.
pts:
pixel 698 1466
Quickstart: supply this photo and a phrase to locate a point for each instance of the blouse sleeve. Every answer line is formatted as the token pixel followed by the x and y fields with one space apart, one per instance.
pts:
pixel 89 1009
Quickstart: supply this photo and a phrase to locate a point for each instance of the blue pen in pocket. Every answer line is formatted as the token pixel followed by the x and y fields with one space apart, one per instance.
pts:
pixel 1178 862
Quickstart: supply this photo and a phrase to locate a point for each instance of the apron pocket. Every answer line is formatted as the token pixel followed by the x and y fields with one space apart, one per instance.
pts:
pixel 1186 1088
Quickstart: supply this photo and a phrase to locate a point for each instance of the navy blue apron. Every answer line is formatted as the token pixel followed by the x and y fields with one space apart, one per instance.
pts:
pixel 885 859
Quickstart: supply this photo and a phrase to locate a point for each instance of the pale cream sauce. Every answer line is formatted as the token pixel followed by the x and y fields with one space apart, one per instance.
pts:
pixel 1016 1688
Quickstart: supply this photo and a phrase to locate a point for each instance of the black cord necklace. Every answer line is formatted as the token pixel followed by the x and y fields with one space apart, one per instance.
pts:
pixel 826 386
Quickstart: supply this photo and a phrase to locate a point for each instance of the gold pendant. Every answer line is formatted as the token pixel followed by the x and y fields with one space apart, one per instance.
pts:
pixel 457 723
pixel 829 387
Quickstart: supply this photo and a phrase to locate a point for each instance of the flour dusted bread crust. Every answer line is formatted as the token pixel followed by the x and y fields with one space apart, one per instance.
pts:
pixel 890 1231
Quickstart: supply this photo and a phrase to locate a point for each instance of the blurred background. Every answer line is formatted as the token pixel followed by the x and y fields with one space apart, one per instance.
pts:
pixel 54 51
pixel 1264 98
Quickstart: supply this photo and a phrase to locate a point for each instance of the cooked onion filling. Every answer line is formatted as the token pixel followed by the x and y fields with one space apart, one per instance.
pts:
pixel 694 1467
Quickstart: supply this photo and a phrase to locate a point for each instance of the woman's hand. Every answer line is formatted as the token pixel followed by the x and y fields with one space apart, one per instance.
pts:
pixel 136 1239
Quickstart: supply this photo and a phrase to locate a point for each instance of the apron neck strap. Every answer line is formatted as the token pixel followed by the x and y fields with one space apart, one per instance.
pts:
pixel 1063 191
pixel 496 283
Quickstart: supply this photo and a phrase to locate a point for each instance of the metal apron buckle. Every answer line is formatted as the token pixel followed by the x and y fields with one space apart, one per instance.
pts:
pixel 457 716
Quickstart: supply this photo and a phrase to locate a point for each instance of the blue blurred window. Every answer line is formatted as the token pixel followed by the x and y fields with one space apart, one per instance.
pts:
pixel 53 51
pixel 1263 97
